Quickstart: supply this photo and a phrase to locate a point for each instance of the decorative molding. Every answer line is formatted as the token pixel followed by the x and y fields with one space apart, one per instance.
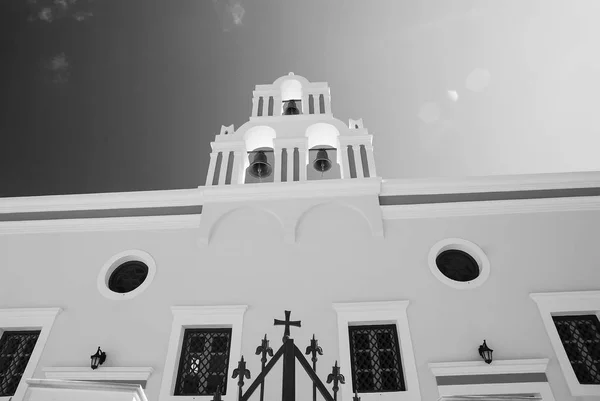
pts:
pixel 131 391
pixel 297 118
pixel 99 374
pixel 102 201
pixel 202 316
pixel 542 389
pixel 377 313
pixel 466 246
pixel 487 208
pixel 495 368
pixel 174 222
pixel 558 303
pixel 522 368
pixel 116 261
pixel 499 183
pixel 35 319
pixel 294 190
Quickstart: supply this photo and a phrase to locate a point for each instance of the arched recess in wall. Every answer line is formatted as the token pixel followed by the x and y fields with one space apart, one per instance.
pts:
pixel 259 138
pixel 332 221
pixel 323 136
pixel 291 89
pixel 247 223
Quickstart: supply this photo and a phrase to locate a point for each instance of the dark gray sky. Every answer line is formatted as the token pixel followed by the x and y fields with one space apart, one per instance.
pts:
pixel 113 95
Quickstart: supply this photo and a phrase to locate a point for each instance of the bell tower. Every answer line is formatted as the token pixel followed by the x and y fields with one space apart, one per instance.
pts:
pixel 291 136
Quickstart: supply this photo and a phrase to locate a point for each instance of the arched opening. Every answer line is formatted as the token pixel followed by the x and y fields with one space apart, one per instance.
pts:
pixel 291 96
pixel 322 137
pixel 262 166
pixel 322 163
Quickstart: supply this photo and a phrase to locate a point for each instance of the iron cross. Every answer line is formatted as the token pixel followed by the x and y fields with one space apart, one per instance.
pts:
pixel 287 323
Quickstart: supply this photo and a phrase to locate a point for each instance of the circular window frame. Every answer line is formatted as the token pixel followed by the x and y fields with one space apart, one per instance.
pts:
pixel 465 246
pixel 116 261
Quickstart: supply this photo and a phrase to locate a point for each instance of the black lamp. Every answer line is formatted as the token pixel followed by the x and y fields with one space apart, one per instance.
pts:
pixel 98 358
pixel 485 352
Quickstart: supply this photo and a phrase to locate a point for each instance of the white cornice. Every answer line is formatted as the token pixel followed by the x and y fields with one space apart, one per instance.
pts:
pixel 293 190
pixel 291 118
pixel 134 389
pixel 486 208
pixel 482 368
pixel 115 200
pixel 101 224
pixel 99 374
pixel 500 183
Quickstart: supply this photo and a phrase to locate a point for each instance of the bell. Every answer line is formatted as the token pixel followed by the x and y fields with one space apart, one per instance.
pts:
pixel 291 108
pixel 260 168
pixel 322 162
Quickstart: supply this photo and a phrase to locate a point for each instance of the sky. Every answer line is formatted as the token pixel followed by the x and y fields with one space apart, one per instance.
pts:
pixel 113 95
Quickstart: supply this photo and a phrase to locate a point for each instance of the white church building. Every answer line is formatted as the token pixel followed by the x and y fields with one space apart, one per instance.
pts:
pixel 400 281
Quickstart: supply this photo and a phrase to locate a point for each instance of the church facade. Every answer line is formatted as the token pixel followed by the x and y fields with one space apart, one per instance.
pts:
pixel 416 289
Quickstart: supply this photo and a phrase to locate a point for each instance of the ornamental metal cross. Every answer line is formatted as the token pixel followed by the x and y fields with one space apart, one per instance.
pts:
pixel 287 323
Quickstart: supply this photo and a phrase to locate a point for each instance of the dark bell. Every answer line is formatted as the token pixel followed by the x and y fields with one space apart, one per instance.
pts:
pixel 322 162
pixel 291 108
pixel 260 168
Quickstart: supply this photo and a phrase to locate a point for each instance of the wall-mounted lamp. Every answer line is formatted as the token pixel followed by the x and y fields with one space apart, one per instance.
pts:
pixel 98 358
pixel 485 352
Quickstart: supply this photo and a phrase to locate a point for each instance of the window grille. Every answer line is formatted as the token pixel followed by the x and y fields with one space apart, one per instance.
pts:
pixel 128 276
pixel 580 336
pixel 375 359
pixel 15 350
pixel 204 361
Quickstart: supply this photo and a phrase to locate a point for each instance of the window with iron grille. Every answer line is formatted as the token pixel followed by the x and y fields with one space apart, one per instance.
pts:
pixel 375 359
pixel 580 336
pixel 204 361
pixel 15 350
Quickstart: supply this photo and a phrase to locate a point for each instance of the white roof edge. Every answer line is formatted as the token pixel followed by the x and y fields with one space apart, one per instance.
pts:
pixel 496 183
pixel 390 187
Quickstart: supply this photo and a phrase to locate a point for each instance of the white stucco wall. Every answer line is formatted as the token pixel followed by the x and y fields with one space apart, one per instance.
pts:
pixel 335 259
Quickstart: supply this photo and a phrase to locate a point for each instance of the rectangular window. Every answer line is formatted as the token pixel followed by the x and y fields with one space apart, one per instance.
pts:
pixel 203 362
pixel 580 336
pixel 15 350
pixel 375 359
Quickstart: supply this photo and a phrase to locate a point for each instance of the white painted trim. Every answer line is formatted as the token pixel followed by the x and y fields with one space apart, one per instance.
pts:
pixel 135 390
pixel 103 201
pixel 377 313
pixel 462 245
pixel 490 208
pixel 495 368
pixel 100 374
pixel 197 317
pixel 116 261
pixel 174 222
pixel 542 388
pixel 29 319
pixel 195 196
pixel 576 302
pixel 294 190
pixel 499 183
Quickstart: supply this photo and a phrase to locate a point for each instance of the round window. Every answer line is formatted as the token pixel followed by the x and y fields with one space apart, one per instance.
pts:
pixel 128 276
pixel 457 265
